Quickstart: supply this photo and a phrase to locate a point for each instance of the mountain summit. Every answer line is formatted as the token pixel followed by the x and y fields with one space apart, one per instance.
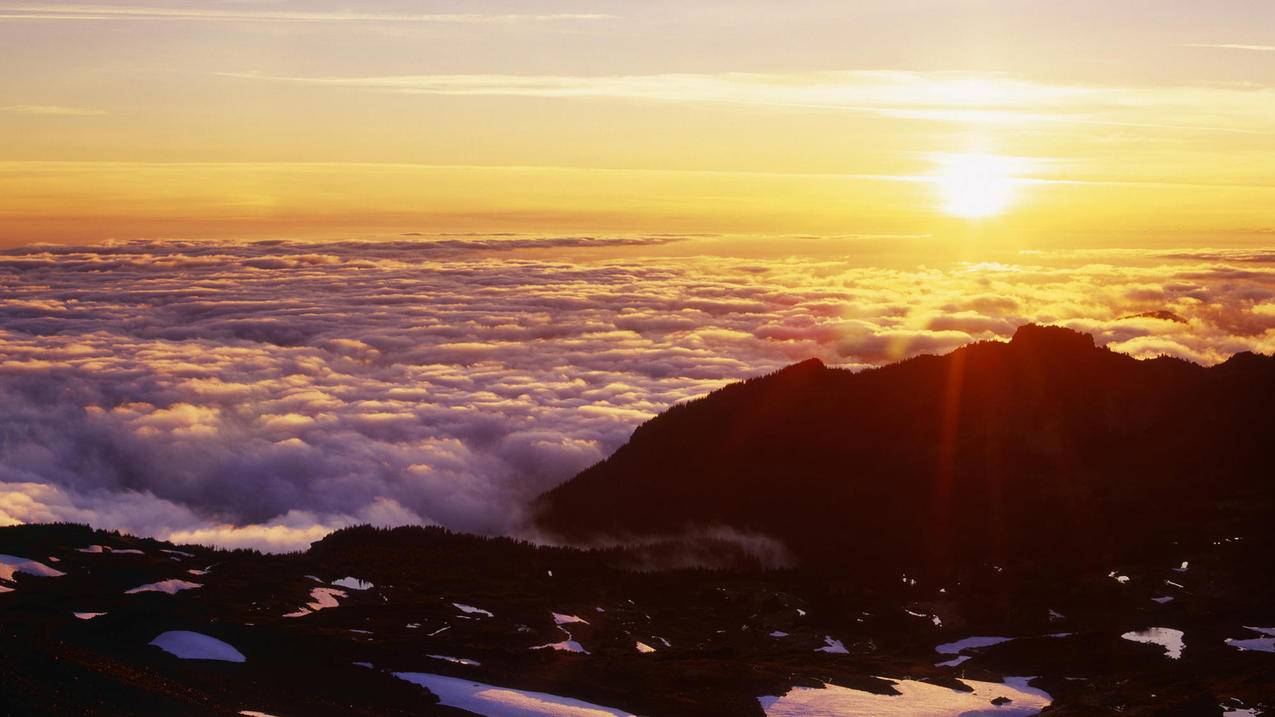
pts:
pixel 1044 450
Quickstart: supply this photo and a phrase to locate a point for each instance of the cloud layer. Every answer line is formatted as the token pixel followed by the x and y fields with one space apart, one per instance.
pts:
pixel 262 394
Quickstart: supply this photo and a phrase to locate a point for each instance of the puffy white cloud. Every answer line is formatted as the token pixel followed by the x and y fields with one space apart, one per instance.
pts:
pixel 264 393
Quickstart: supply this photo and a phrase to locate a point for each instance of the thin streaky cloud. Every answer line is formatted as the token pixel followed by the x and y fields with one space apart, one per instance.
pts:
pixel 52 110
pixel 138 12
pixel 1230 46
pixel 954 97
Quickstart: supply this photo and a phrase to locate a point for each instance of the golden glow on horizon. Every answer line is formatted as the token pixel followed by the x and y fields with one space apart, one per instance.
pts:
pixel 141 120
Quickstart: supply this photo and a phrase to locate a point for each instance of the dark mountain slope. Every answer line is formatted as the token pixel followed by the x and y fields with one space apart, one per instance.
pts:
pixel 1043 450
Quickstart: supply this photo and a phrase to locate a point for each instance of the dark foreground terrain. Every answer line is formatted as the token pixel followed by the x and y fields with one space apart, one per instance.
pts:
pixel 1039 525
pixel 712 642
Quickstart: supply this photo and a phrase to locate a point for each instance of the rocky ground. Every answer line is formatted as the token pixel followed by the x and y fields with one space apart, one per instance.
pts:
pixel 420 621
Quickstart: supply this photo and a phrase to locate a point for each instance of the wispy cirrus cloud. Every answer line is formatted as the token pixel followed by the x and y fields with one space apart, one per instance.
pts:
pixel 983 98
pixel 1231 46
pixel 53 110
pixel 91 12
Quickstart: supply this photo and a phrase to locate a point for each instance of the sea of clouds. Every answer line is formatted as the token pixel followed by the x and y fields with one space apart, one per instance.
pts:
pixel 262 394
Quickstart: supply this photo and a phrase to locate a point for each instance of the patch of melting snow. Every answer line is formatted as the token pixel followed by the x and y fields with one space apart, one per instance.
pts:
pixel 1163 599
pixel 197 573
pixel 561 619
pixel 87 615
pixel 253 713
pixel 456 660
pixel 196 646
pixel 567 645
pixel 93 549
pixel 320 599
pixel 368 665
pixel 779 633
pixel 832 646
pixel 471 610
pixel 1122 579
pixel 1186 565
pixel 644 648
pixel 180 553
pixel 361 632
pixel 353 584
pixel 1171 640
pixel 969 643
pixel 914 698
pixel 170 587
pixel 444 628
pixel 1256 644
pixel 1055 616
pixel 11 565
pixel 127 551
pixel 663 641
pixel 493 701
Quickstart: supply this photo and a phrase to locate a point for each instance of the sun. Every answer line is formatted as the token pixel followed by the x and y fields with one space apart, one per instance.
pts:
pixel 975 186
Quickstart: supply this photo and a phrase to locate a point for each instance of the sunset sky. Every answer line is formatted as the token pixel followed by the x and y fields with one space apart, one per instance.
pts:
pixel 1083 123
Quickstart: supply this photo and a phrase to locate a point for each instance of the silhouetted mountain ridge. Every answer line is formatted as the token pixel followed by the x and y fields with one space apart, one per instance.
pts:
pixel 1045 449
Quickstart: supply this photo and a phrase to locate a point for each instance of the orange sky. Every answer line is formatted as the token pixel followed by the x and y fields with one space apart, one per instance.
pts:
pixel 1151 122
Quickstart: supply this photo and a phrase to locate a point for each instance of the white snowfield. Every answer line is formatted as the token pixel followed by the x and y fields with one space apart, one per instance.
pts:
pixel 492 701
pixel 1171 640
pixel 196 646
pixel 171 587
pixel 471 610
pixel 1256 644
pixel 353 584
pixel 11 565
pixel 561 619
pixel 915 699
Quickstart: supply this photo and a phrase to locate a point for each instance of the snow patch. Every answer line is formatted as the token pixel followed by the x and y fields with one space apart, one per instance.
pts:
pixel 171 587
pixel 456 660
pixel 471 610
pixel 833 646
pixel 1257 644
pixel 353 584
pixel 560 619
pixel 87 615
pixel 644 648
pixel 1171 640
pixel 11 565
pixel 196 646
pixel 493 701
pixel 914 698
